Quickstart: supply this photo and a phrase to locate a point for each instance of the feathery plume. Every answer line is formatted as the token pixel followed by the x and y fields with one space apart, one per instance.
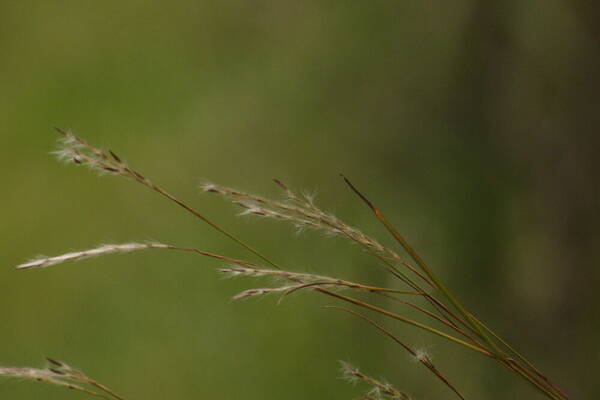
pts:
pixel 378 390
pixel 60 374
pixel 77 150
pixel 300 211
pixel 318 280
pixel 264 291
pixel 43 262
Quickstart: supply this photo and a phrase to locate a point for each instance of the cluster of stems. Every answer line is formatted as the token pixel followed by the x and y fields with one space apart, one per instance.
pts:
pixel 421 288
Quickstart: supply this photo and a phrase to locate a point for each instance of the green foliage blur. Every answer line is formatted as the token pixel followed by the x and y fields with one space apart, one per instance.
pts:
pixel 472 124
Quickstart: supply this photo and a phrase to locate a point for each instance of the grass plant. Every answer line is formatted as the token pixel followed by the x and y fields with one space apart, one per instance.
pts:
pixel 417 285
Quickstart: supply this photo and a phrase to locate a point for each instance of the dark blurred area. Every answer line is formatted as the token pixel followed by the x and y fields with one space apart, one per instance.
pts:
pixel 472 124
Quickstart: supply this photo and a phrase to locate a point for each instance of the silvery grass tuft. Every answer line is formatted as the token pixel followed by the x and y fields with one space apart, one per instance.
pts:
pixel 43 261
pixel 416 286
pixel 59 373
pixel 379 390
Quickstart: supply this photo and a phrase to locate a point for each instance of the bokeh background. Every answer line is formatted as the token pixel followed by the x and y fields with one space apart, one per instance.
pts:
pixel 473 124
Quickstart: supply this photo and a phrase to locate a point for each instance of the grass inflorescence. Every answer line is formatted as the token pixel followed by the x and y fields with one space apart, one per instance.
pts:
pixel 61 374
pixel 416 286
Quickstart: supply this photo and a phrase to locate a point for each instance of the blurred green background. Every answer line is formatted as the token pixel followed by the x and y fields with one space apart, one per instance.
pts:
pixel 473 124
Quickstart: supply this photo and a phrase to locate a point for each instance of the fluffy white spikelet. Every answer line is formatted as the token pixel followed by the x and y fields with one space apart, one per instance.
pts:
pixel 264 291
pixel 379 390
pixel 422 355
pixel 57 373
pixel 43 262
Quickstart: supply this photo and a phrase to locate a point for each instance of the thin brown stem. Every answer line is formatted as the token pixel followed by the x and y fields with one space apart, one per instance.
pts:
pixel 104 389
pixel 428 271
pixel 213 225
pixel 425 361
pixel 404 319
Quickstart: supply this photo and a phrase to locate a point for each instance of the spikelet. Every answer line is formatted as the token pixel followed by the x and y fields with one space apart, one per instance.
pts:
pixel 379 390
pixel 58 373
pixel 78 151
pixel 303 278
pixel 43 262
pixel 264 291
pixel 300 211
